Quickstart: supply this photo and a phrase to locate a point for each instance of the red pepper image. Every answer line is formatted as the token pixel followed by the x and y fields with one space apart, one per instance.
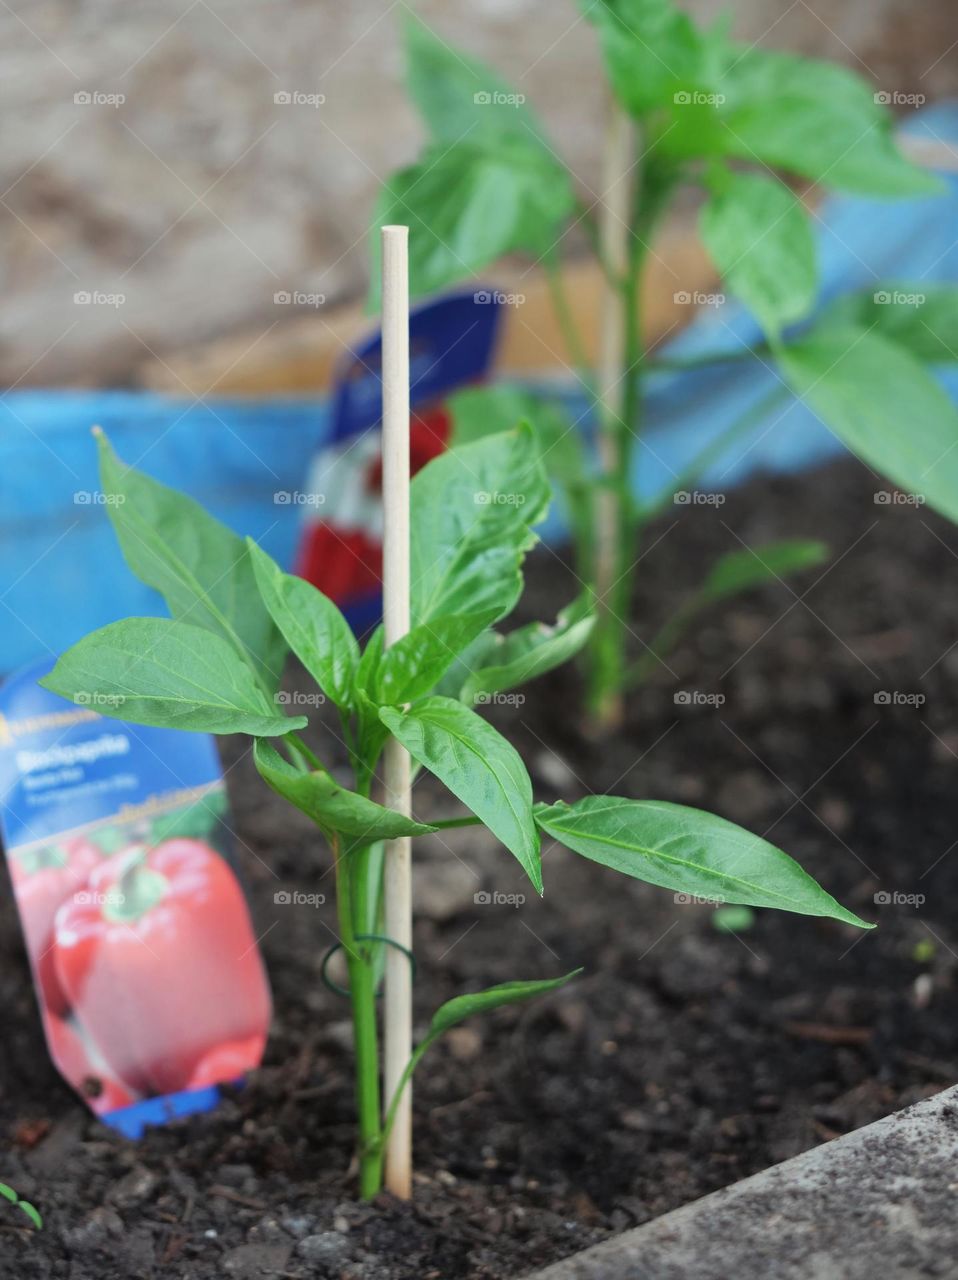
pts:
pixel 160 963
pixel 228 1062
pixel 96 1086
pixel 43 879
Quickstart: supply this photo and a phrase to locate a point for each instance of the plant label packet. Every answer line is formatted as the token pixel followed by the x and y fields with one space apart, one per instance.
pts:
pixel 451 345
pixel 148 975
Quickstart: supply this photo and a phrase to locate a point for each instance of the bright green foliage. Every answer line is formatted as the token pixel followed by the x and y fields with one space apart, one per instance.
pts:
pixel 479 766
pixel 741 122
pixel 171 674
pixel 760 240
pixel 880 400
pixel 25 1206
pixel 201 568
pixel 691 852
pixel 467 559
pixel 922 318
pixel 741 570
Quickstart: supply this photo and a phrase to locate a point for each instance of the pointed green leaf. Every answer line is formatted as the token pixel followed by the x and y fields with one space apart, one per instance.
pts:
pixel 461 1007
pixel 688 851
pixel 312 626
pixel 814 118
pixel 921 317
pixel 159 672
pixel 885 406
pixel 414 665
pixel 200 567
pixel 473 510
pixel 8 1193
pixel 459 96
pixel 478 766
pixel 31 1213
pixel 528 652
pixel 759 238
pixel 331 806
pixel 740 570
pixel 651 50
pixel 470 202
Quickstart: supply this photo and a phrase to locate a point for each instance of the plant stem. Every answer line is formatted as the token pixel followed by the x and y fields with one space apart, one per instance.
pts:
pixel 362 991
pixel 567 324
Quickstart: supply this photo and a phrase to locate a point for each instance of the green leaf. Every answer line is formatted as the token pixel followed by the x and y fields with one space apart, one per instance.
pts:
pixel 312 626
pixel 922 318
pixel 688 851
pixel 159 672
pixel 201 568
pixel 414 665
pixel 8 1193
pixel 478 412
pixel 884 405
pixel 472 515
pixel 528 652
pixel 461 1007
pixel 468 203
pixel 740 570
pixel 459 96
pixel 652 50
pixel 478 766
pixel 331 807
pixel 816 119
pixel 759 238
pixel 31 1213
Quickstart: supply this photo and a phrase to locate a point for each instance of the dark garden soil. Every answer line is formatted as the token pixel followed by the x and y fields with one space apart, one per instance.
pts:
pixel 684 1058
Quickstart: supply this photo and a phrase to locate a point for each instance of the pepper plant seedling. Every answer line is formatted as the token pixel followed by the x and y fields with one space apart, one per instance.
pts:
pixel 215 664
pixel 692 107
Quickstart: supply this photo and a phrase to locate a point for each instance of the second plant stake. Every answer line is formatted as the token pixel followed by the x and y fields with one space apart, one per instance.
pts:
pixel 397 1031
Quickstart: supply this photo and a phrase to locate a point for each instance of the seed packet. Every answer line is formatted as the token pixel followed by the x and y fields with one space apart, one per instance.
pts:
pixel 147 971
pixel 451 344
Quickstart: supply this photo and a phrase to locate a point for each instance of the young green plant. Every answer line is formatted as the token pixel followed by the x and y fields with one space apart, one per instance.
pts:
pixel 691 107
pixel 214 666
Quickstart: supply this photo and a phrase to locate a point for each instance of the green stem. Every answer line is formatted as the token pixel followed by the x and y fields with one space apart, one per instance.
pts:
pixel 362 990
pixel 567 324
pixel 683 364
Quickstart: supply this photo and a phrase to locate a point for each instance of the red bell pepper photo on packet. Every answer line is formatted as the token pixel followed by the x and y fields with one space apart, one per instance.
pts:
pixel 150 982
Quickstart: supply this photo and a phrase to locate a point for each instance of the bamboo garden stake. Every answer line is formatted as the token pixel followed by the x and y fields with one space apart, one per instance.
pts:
pixel 396 768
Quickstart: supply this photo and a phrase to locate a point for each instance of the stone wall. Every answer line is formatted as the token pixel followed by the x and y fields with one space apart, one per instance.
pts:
pixel 182 187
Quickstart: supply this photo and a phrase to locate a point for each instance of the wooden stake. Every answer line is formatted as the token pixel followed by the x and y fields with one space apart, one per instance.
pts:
pixel 614 213
pixel 397 1031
